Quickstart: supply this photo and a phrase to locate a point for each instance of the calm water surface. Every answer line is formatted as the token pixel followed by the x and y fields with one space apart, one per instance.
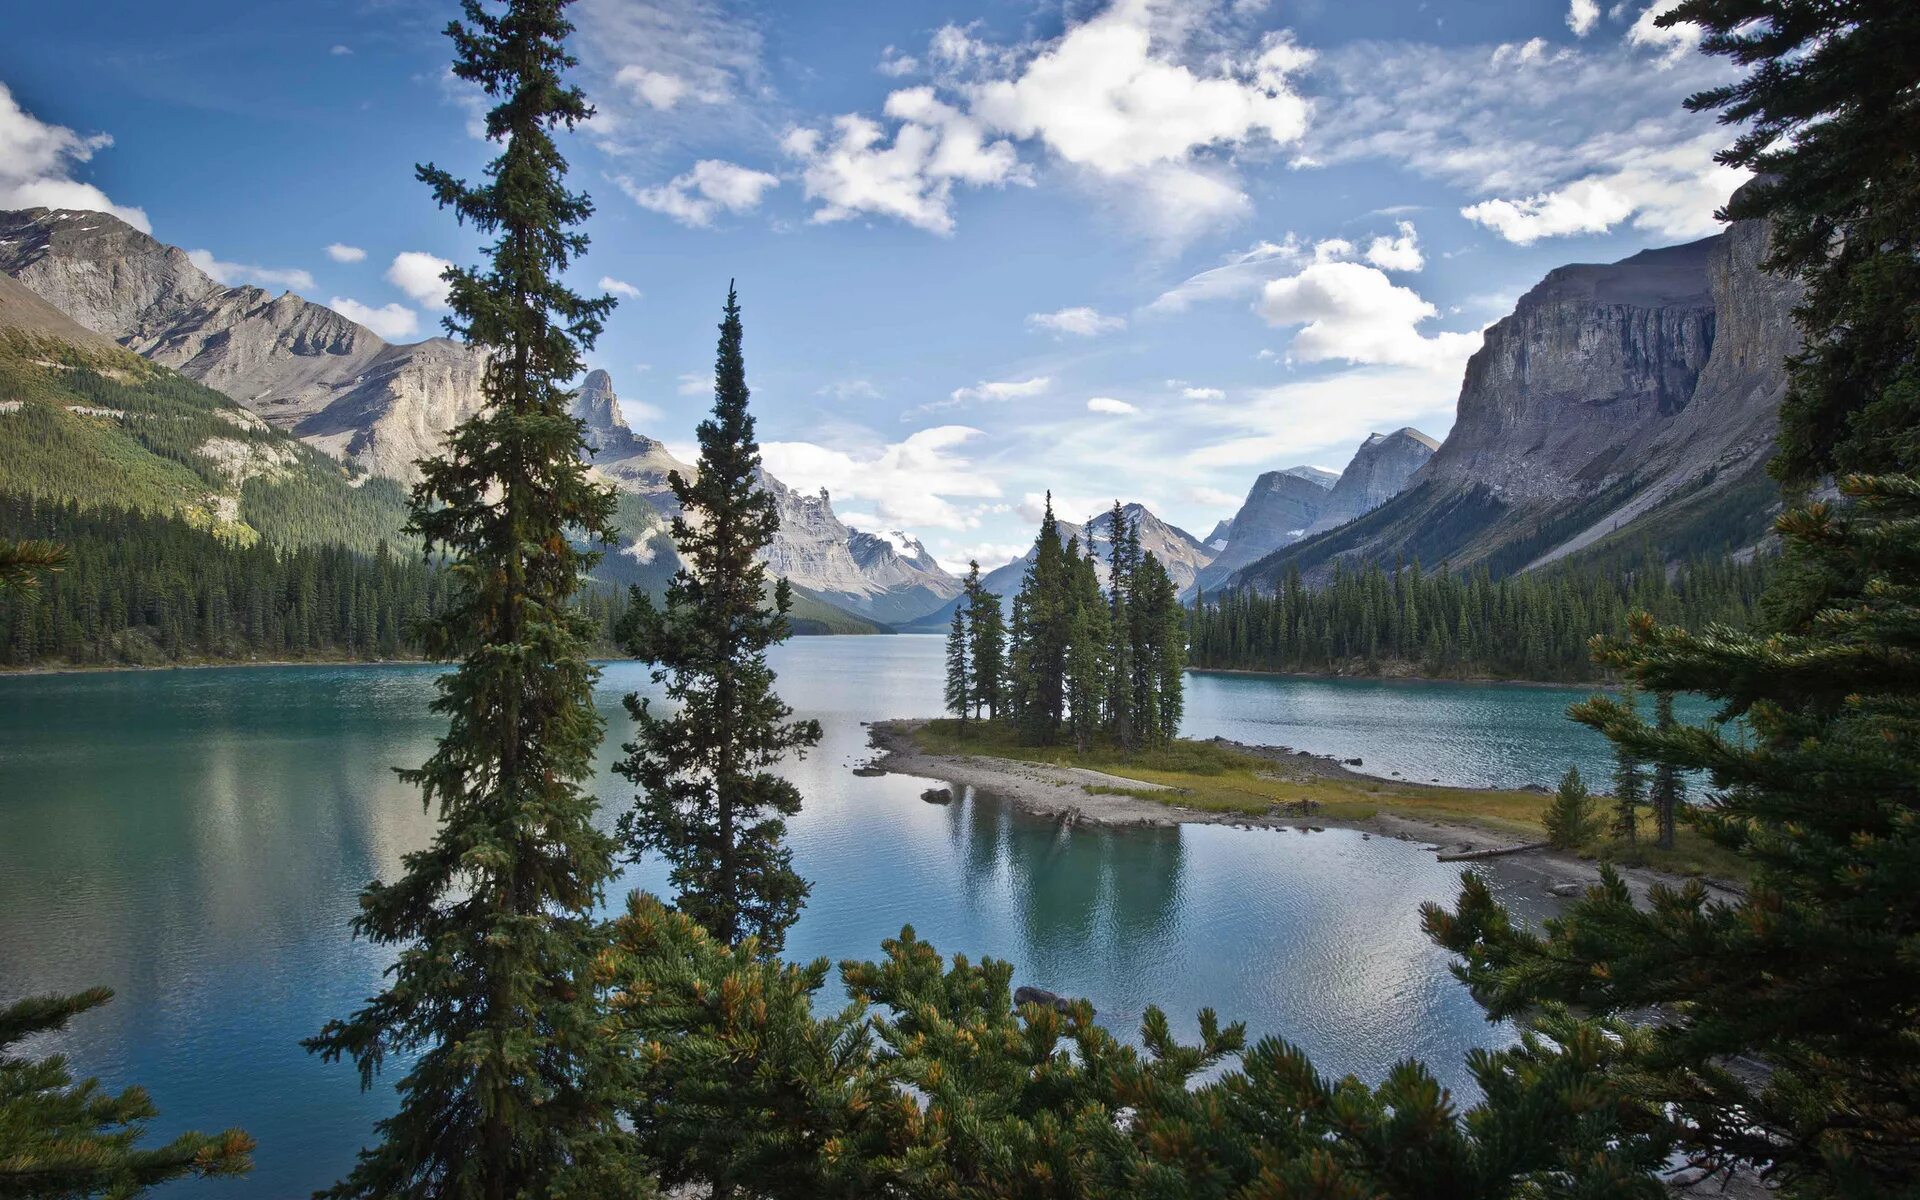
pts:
pixel 195 840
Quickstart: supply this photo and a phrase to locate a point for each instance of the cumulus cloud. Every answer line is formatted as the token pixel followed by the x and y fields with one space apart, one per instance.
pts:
pixel 659 89
pixel 1353 313
pixel 1589 206
pixel 619 287
pixel 1111 406
pixel 390 321
pixel 1672 190
pixel 908 483
pixel 909 175
pixel 340 252
pixel 339 51
pixel 233 274
pixel 1401 253
pixel 1080 321
pixel 1202 393
pixel 713 186
pixel 896 64
pixel 668 72
pixel 1582 15
pixel 38 161
pixel 418 274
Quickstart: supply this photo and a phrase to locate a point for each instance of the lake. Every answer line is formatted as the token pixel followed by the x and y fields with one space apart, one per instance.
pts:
pixel 195 840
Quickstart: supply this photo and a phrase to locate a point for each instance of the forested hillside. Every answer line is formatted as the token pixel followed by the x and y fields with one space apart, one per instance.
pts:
pixel 1469 625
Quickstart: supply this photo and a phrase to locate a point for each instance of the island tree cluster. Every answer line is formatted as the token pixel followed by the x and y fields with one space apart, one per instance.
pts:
pixel 1074 661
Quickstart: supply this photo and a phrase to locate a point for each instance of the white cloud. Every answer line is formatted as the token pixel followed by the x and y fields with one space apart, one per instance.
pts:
pixel 1107 404
pixel 909 483
pixel 619 287
pixel 1075 508
pixel 340 252
pixel 37 162
pixel 910 177
pixel 1202 393
pixel 895 64
pixel 713 186
pixel 1522 128
pixel 1673 43
pixel 390 321
pixel 1000 389
pixel 1582 15
pixel 1214 497
pixel 233 274
pixel 659 89
pixel 1671 190
pixel 1101 98
pixel 692 383
pixel 1400 253
pixel 418 274
pixel 340 51
pixel 851 389
pixel 1319 419
pixel 1079 322
pixel 1354 313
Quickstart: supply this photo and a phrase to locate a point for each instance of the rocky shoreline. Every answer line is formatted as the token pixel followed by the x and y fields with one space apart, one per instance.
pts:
pixel 1062 794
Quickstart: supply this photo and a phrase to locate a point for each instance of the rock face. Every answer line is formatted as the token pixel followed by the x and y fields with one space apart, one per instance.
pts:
pixel 1378 472
pixel 1619 402
pixel 815 551
pixel 305 368
pixel 629 461
pixel 1279 509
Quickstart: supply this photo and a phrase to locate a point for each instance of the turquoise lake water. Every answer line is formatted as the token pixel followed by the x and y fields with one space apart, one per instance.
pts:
pixel 195 840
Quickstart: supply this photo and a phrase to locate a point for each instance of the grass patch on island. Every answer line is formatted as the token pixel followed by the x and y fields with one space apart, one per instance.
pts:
pixel 1216 778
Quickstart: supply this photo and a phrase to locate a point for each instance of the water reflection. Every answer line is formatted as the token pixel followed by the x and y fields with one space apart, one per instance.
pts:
pixel 196 839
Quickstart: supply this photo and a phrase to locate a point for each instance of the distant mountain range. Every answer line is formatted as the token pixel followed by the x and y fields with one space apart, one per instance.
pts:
pixel 1619 404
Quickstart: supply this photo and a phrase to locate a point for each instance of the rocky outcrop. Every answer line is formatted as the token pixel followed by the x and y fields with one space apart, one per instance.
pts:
pixel 302 366
pixel 815 551
pixel 629 461
pixel 1377 473
pixel 1279 509
pixel 1619 403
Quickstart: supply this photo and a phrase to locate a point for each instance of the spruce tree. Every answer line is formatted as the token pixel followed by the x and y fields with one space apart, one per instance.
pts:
pixel 1043 611
pixel 1088 676
pixel 60 1140
pixel 490 1000
pixel 1123 559
pixel 1786 1039
pixel 1569 817
pixel 987 637
pixel 1629 782
pixel 1668 791
pixel 959 689
pixel 709 803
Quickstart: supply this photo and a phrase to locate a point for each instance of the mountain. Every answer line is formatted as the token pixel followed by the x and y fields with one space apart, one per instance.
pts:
pixel 1179 552
pixel 303 367
pixel 1217 540
pixel 83 421
pixel 1378 472
pixel 1619 403
pixel 1279 509
pixel 817 554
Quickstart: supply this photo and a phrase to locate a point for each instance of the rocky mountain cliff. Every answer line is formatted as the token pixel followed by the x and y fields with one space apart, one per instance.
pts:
pixel 305 368
pixel 1618 403
pixel 1378 472
pixel 1279 509
pixel 863 573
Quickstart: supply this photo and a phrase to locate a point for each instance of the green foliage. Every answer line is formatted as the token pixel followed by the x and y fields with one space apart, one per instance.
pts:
pixel 959 692
pixel 144 589
pixel 933 1084
pixel 1629 780
pixel 987 642
pixel 1570 817
pixel 491 997
pixel 1472 625
pixel 61 1140
pixel 22 563
pixel 709 803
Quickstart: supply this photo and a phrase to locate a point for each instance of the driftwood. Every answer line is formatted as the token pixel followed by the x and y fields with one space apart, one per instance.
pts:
pixel 1471 855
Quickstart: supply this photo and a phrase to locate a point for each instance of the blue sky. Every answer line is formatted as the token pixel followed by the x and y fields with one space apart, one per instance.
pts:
pixel 1144 248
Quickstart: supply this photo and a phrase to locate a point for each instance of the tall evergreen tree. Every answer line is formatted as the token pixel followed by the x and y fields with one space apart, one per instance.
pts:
pixel 1668 790
pixel 490 996
pixel 1088 645
pixel 1043 612
pixel 1629 782
pixel 959 690
pixel 1123 561
pixel 1814 973
pixel 709 803
pixel 987 636
pixel 61 1140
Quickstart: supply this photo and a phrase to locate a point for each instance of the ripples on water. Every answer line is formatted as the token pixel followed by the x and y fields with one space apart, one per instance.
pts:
pixel 195 840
